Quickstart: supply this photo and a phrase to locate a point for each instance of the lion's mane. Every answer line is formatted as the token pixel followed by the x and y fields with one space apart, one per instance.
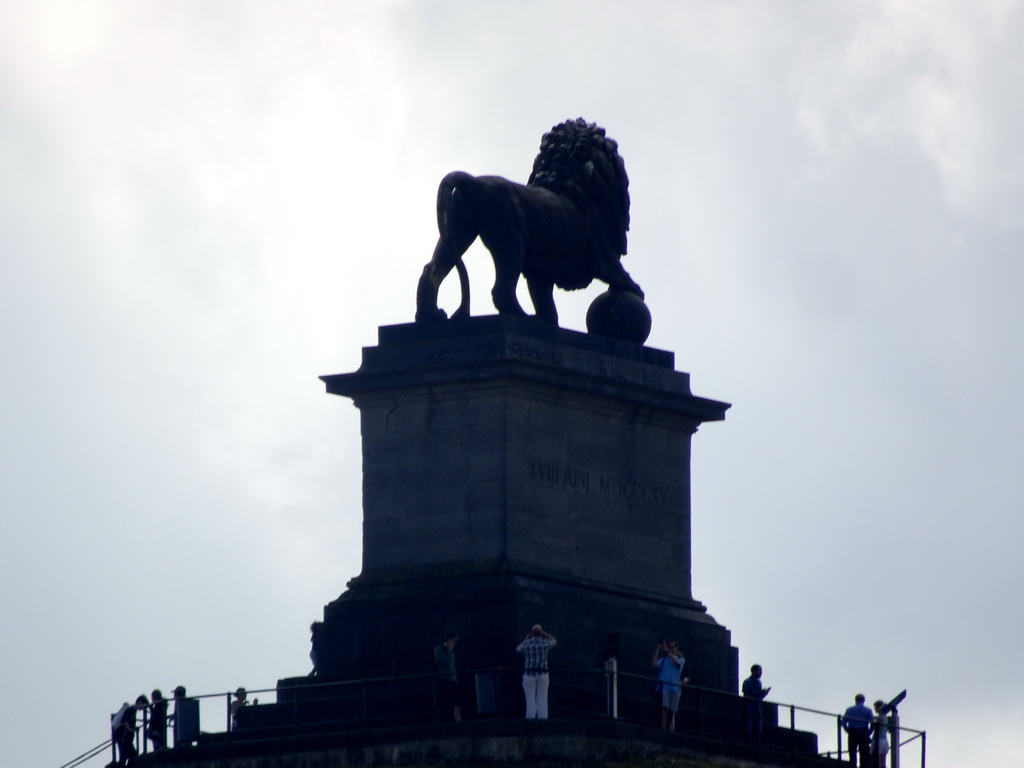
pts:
pixel 579 161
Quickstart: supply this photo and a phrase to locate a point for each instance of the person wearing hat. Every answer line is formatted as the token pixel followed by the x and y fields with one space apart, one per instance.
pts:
pixel 185 720
pixel 239 702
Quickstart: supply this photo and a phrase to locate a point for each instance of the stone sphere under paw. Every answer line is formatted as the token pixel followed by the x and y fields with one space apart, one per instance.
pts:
pixel 621 315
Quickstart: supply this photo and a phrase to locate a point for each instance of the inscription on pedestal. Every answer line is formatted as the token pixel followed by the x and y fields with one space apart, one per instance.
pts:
pixel 579 479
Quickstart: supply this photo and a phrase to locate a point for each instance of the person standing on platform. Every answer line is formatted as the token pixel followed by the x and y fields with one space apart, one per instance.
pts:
pixel 534 649
pixel 880 743
pixel 185 720
pixel 669 661
pixel 157 729
pixel 754 693
pixel 124 728
pixel 857 722
pixel 314 646
pixel 241 700
pixel 447 679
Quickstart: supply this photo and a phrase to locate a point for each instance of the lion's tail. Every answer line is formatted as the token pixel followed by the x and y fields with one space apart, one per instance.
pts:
pixel 445 190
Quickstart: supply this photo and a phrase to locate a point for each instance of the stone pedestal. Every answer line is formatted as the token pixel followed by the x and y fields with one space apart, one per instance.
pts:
pixel 515 473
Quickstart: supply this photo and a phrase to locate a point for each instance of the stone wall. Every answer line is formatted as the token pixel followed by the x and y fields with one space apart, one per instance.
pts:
pixel 516 473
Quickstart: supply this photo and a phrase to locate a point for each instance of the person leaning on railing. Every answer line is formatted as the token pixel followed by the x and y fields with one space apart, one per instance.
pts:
pixel 124 726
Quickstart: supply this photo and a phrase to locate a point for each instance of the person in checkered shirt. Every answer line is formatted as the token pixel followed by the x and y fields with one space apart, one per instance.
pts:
pixel 534 649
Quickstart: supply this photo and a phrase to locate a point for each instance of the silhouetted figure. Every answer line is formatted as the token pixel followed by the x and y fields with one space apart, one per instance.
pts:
pixel 669 661
pixel 753 694
pixel 237 703
pixel 124 728
pixel 534 649
pixel 448 702
pixel 314 646
pixel 880 743
pixel 185 719
pixel 857 722
pixel 565 227
pixel 157 729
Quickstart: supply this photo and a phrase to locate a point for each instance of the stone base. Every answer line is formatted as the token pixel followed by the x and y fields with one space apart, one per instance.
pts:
pixel 515 473
pixel 489 743
pixel 390 626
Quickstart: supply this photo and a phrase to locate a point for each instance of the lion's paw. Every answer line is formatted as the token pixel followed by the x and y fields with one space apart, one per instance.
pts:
pixel 431 316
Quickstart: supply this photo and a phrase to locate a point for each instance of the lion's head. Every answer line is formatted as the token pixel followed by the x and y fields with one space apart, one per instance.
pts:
pixel 579 161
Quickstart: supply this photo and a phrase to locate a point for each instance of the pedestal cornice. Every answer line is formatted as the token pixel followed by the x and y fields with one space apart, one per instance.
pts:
pixel 524 349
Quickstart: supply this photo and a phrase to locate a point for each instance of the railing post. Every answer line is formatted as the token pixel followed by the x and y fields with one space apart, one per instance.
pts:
pixel 922 748
pixel 611 669
pixel 700 714
pixel 839 737
pixel 894 738
pixel 499 709
pixel 792 728
pixel 435 712
pixel 227 714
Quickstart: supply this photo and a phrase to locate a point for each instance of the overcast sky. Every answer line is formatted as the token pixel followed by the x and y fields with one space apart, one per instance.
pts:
pixel 206 205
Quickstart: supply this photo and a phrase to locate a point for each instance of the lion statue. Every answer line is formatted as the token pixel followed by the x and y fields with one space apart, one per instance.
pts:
pixel 565 227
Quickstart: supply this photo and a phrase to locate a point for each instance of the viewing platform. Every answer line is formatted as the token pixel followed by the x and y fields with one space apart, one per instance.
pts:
pixel 394 721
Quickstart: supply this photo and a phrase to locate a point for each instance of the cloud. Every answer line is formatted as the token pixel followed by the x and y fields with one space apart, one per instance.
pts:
pixel 205 208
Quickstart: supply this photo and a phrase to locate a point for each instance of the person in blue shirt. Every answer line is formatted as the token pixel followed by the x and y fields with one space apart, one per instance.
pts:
pixel 669 661
pixel 857 722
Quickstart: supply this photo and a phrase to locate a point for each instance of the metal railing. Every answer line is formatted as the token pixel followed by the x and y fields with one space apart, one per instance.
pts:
pixel 88 755
pixel 697 716
pixel 310 706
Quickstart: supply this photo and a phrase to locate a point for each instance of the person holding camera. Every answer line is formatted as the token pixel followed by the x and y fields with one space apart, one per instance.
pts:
pixel 534 650
pixel 669 661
